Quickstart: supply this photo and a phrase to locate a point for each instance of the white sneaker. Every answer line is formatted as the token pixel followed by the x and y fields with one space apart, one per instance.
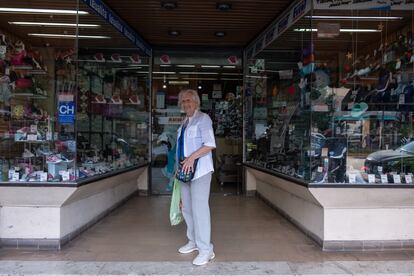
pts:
pixel 203 258
pixel 188 248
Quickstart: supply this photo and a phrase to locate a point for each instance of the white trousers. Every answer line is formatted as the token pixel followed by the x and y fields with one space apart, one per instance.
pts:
pixel 196 211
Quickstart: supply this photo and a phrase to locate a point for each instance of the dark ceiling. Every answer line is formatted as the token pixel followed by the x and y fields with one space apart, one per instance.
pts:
pixel 197 20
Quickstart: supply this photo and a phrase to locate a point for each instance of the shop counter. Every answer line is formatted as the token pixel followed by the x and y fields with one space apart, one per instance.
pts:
pixel 46 216
pixel 340 217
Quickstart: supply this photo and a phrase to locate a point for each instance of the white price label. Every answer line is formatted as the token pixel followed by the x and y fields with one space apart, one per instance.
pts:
pixel 33 128
pixel 384 178
pixel 320 169
pixel 371 178
pixel 379 169
pixel 43 176
pixel 15 176
pixel 401 99
pixel 65 175
pixel 31 137
pixel 398 64
pixel 352 178
pixel 408 179
pixel 10 176
pixel 49 136
pixel 396 178
pixel 324 152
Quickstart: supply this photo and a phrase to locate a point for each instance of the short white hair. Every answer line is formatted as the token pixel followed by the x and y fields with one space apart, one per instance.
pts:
pixel 193 93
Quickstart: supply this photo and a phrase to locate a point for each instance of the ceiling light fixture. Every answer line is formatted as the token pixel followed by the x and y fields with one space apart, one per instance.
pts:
pixel 229 67
pixel 210 66
pixel 362 18
pixel 223 6
pixel 34 11
pixel 186 65
pixel 48 24
pixel 169 5
pixel 174 33
pixel 343 30
pixel 220 34
pixel 69 36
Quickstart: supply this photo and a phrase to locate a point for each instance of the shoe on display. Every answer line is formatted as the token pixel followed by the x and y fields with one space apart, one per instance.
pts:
pixel 27 153
pixel 53 158
pixel 203 258
pixel 383 80
pixel 338 151
pixel 188 248
pixel 320 177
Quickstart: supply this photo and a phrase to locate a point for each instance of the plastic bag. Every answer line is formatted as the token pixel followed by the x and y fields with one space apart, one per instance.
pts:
pixel 176 216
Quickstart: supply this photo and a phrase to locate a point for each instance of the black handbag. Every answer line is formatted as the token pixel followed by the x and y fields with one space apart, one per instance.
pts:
pixel 185 177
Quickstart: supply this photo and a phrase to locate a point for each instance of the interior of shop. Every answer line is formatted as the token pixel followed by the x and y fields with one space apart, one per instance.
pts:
pixel 220 90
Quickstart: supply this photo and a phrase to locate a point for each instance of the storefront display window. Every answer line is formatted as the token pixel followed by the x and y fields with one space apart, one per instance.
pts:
pixel 330 101
pixel 72 106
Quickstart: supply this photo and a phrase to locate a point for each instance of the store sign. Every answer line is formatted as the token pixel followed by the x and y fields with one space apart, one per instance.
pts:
pixel 363 5
pixel 66 109
pixel 112 18
pixel 280 25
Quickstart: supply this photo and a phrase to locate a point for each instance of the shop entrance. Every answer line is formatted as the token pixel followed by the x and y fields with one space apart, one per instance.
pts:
pixel 220 89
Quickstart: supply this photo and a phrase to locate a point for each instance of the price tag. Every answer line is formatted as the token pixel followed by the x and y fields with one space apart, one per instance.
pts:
pixel 65 175
pixel 352 178
pixel 10 176
pixel 408 179
pixel 15 176
pixel 401 99
pixel 396 178
pixel 56 136
pixel 43 176
pixel 7 73
pixel 379 168
pixel 320 169
pixel 324 152
pixel 31 137
pixel 398 64
pixel 384 178
pixel 48 136
pixel 338 130
pixel 371 178
pixel 33 128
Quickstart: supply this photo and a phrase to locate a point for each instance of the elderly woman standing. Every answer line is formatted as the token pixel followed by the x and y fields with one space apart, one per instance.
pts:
pixel 195 142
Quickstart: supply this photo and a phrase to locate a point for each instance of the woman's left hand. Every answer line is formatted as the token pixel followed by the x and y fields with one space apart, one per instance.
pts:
pixel 188 165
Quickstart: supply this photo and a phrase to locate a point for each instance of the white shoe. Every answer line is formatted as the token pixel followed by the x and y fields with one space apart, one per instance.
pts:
pixel 203 258
pixel 188 248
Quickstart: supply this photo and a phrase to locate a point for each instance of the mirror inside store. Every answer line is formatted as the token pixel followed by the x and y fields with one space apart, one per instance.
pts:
pixel 333 103
pixel 74 97
pixel 219 87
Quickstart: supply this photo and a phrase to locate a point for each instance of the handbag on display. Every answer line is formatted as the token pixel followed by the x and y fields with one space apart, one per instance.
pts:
pixel 185 177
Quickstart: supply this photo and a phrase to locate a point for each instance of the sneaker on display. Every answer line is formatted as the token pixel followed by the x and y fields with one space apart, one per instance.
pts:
pixel 338 151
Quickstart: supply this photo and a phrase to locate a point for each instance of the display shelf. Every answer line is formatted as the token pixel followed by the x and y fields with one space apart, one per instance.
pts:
pixel 29 95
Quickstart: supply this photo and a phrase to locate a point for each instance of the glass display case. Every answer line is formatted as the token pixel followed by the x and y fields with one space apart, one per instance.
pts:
pixel 330 100
pixel 72 105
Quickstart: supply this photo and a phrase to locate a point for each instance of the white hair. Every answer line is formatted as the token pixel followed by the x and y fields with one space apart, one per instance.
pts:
pixel 193 93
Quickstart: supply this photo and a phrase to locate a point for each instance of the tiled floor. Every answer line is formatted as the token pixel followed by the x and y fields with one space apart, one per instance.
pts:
pixel 243 229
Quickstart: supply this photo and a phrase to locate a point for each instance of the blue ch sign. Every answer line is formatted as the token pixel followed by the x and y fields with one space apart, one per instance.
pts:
pixel 66 112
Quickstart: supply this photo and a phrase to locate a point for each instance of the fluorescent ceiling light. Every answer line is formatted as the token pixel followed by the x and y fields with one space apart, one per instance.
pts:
pixel 47 11
pixel 199 73
pixel 367 18
pixel 210 66
pixel 68 36
pixel 163 72
pixel 343 30
pixel 229 66
pixel 186 65
pixel 165 65
pixel 49 24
